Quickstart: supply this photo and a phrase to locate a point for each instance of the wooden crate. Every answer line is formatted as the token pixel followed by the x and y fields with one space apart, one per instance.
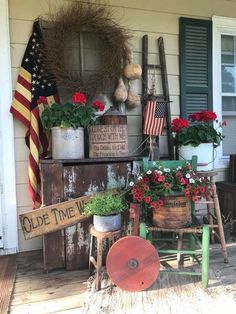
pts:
pixel 227 199
pixel 66 179
pixel 108 141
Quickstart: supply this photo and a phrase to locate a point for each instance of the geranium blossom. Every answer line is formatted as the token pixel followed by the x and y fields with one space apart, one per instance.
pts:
pixel 79 98
pixel 98 105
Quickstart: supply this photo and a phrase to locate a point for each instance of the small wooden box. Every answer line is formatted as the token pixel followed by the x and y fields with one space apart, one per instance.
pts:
pixel 108 141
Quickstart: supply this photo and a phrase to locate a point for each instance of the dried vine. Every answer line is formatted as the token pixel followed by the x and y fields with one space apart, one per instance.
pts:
pixel 70 22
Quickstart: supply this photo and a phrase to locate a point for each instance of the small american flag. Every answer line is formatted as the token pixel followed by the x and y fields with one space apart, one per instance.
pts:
pixel 33 81
pixel 154 117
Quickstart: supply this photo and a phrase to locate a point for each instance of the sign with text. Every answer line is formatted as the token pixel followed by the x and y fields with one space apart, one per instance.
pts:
pixel 108 141
pixel 54 217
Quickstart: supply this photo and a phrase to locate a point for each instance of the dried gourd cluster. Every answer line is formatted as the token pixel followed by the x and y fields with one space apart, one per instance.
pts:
pixel 132 71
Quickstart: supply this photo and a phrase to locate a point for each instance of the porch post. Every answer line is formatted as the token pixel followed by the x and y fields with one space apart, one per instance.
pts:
pixel 7 159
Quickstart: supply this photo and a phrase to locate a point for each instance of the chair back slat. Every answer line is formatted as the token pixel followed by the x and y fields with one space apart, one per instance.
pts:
pixel 172 164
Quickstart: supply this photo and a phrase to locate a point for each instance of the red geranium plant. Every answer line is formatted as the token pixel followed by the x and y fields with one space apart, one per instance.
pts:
pixel 197 129
pixel 152 186
pixel 72 115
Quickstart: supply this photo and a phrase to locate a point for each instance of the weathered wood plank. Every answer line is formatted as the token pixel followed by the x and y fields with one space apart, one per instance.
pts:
pixel 51 306
pixel 35 283
pixel 52 193
pixel 49 293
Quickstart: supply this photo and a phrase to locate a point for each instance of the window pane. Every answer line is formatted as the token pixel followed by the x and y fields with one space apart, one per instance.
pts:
pixel 229 104
pixel 228 74
pixel 229 131
pixel 228 64
pixel 228 80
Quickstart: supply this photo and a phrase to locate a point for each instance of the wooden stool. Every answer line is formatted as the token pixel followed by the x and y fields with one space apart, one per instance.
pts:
pixel 100 236
pixel 214 211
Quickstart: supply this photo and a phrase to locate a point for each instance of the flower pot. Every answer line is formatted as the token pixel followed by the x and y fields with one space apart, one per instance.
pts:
pixel 107 223
pixel 204 153
pixel 67 143
pixel 175 213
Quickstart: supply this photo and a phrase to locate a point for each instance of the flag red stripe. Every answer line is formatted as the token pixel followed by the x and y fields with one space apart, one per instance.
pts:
pixel 43 138
pixel 35 196
pixel 24 83
pixel 19 116
pixel 22 100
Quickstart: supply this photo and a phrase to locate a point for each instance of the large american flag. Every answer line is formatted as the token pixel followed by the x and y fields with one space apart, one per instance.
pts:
pixel 33 83
pixel 154 117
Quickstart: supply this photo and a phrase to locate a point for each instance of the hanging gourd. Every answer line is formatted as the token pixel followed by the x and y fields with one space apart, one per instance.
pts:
pixel 133 99
pixel 132 71
pixel 120 94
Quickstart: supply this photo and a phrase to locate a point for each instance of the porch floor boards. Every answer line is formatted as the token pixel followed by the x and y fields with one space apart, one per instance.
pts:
pixel 69 292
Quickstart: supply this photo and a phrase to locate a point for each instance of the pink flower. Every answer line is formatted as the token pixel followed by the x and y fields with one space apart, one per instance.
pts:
pixel 160 203
pixel 153 204
pixel 145 179
pixel 79 98
pixel 166 185
pixel 147 199
pixel 179 175
pixel 202 189
pixel 98 106
pixel 161 179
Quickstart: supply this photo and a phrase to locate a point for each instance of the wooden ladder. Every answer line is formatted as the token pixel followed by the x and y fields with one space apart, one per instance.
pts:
pixel 165 87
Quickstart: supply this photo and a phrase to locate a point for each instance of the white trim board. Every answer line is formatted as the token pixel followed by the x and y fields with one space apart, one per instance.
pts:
pixel 220 25
pixel 7 160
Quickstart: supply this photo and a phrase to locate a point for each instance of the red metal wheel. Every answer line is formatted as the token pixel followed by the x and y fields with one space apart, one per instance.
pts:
pixel 133 263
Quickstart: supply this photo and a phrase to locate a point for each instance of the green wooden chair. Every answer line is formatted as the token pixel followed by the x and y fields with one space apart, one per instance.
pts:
pixel 197 235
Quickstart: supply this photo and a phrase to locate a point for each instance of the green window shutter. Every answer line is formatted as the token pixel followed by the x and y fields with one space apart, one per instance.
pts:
pixel 195 42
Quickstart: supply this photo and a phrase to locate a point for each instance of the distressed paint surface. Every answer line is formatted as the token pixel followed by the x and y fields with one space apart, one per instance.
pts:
pixel 80 179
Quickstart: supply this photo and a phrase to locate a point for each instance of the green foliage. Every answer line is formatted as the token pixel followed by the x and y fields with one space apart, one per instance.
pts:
pixel 105 204
pixel 68 115
pixel 197 134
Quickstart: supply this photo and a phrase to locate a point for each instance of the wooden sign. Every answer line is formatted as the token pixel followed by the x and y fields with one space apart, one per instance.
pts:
pixel 54 217
pixel 108 141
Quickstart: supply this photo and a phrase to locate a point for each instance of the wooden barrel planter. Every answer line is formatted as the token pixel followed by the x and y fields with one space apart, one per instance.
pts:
pixel 175 213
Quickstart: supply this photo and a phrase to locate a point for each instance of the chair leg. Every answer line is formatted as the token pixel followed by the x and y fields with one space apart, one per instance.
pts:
pixel 220 225
pixel 143 230
pixel 90 254
pixel 180 257
pixel 205 255
pixel 99 265
pixel 192 244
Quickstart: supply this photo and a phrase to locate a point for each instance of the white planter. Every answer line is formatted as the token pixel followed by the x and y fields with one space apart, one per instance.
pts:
pixel 107 223
pixel 67 143
pixel 204 153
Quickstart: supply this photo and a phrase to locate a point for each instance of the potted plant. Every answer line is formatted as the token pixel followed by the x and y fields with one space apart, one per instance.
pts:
pixel 166 194
pixel 197 136
pixel 106 209
pixel 67 122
